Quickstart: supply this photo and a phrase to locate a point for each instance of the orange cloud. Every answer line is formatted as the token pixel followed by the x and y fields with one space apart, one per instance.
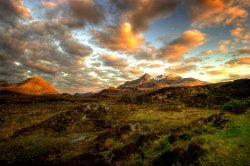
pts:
pixel 131 39
pixel 223 45
pixel 215 12
pixel 233 13
pixel 134 71
pixel 241 34
pixel 119 38
pixel 237 32
pixel 239 61
pixel 181 68
pixel 10 10
pixel 176 49
pixel 48 4
pixel 244 61
pixel 193 60
pixel 21 9
pixel 217 72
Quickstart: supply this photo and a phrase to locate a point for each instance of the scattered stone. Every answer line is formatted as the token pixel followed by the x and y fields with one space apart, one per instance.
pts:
pixel 77 139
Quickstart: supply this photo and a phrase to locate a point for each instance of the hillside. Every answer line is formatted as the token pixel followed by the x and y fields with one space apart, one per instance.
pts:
pixel 211 95
pixel 171 126
pixel 34 86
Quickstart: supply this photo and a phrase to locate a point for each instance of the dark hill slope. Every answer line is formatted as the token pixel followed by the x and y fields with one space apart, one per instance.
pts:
pixel 210 96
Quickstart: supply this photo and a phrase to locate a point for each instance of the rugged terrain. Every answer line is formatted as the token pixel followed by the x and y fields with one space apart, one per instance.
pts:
pixel 201 125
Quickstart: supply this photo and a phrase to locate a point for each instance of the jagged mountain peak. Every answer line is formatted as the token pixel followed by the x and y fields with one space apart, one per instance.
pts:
pixel 169 77
pixel 146 82
pixel 145 77
pixel 173 76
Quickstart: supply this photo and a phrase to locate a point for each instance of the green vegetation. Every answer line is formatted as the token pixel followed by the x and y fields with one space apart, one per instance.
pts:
pixel 161 130
pixel 234 106
pixel 230 146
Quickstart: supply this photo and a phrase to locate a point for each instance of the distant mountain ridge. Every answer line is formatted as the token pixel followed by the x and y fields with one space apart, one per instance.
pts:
pixel 34 86
pixel 148 83
pixel 88 94
pixel 160 81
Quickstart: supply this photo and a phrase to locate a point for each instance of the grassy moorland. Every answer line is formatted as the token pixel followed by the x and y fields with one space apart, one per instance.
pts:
pixel 208 125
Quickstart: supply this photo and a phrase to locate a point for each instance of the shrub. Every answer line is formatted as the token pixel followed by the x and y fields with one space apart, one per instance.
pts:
pixel 234 106
pixel 127 98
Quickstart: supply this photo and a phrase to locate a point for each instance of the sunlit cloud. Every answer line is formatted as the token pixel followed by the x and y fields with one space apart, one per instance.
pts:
pixel 181 69
pixel 223 45
pixel 241 34
pixel 239 61
pixel 118 38
pixel 11 10
pixel 217 12
pixel 190 39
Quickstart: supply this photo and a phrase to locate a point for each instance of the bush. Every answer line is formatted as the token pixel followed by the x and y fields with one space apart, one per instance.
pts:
pixel 127 98
pixel 234 106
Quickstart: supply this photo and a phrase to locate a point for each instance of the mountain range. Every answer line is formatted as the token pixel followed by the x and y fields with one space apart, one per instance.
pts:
pixel 147 83
pixel 34 85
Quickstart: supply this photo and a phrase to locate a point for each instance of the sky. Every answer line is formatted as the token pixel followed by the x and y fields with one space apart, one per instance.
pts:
pixel 88 45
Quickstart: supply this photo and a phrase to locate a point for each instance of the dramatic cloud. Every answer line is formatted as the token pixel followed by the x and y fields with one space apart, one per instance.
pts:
pixel 235 76
pixel 193 60
pixel 134 71
pixel 12 9
pixel 217 72
pixel 239 61
pixel 223 45
pixel 241 34
pixel 74 48
pixel 243 51
pixel 175 50
pixel 56 58
pixel 114 61
pixel 180 69
pixel 243 2
pixel 42 67
pixel 140 13
pixel 118 38
pixel 216 12
pixel 48 4
pixel 74 13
